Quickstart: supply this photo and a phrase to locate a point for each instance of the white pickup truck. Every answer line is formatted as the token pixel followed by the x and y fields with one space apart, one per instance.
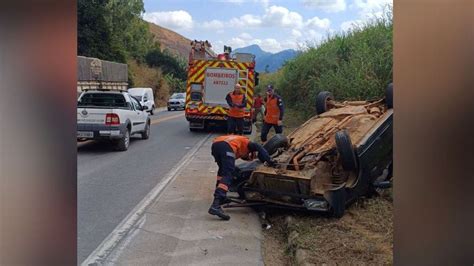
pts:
pixel 111 115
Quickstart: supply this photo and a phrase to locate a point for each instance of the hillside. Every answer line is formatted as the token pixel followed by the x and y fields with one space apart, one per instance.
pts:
pixel 171 40
pixel 263 58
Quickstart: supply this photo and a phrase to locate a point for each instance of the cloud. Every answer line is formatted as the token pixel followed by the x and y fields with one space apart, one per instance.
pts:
pixel 279 16
pixel 264 3
pixel 175 20
pixel 296 33
pixel 369 9
pixel 317 23
pixel 245 36
pixel 237 42
pixel 294 30
pixel 351 24
pixel 270 45
pixel 372 5
pixel 330 6
pixel 213 25
pixel 245 21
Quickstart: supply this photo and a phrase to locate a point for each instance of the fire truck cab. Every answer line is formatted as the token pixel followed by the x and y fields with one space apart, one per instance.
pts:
pixel 210 78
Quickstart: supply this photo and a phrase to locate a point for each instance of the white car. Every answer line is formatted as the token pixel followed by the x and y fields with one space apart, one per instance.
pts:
pixel 145 97
pixel 177 101
pixel 111 115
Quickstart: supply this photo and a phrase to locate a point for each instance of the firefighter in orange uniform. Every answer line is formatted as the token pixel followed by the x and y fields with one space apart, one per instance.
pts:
pixel 273 113
pixel 225 150
pixel 235 118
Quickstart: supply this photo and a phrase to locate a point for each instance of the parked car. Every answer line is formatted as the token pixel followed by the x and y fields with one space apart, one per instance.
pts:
pixel 177 101
pixel 112 116
pixel 145 97
pixel 341 154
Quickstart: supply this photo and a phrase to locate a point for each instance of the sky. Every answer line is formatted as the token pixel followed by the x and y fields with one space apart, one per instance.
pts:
pixel 274 25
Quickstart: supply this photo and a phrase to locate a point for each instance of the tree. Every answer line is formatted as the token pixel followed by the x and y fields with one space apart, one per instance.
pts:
pixel 94 34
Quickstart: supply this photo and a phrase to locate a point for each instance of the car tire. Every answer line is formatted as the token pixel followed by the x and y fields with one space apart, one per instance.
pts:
pixel 346 151
pixel 152 111
pixel 389 172
pixel 322 100
pixel 389 96
pixel 169 109
pixel 193 129
pixel 146 132
pixel 124 142
pixel 276 142
pixel 337 202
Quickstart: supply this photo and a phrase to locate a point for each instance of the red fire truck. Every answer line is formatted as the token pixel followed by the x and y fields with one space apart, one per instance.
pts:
pixel 210 78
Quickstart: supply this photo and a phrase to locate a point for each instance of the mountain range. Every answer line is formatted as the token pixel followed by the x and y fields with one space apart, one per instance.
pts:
pixel 180 45
pixel 266 61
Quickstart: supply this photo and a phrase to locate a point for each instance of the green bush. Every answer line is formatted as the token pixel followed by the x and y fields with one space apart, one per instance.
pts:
pixel 353 65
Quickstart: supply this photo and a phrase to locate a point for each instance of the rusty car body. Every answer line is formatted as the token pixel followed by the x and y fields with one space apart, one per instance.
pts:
pixel 328 162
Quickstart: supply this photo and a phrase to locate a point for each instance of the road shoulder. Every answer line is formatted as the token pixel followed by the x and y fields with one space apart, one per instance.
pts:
pixel 177 230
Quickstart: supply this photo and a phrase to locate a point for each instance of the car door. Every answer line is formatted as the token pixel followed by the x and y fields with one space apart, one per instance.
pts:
pixel 146 100
pixel 151 100
pixel 139 118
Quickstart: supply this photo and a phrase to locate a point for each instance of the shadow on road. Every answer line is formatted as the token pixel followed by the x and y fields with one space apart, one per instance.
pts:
pixel 97 147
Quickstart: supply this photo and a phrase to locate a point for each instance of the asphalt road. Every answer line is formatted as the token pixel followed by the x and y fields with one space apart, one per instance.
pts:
pixel 111 184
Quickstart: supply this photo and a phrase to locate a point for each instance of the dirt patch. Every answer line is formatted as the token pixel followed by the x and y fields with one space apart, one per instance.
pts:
pixel 363 236
pixel 274 246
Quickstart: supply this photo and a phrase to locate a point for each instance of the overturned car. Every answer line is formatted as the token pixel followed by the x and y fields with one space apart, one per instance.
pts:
pixel 337 156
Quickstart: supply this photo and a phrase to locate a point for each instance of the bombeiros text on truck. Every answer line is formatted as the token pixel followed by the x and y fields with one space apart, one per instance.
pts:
pixel 210 78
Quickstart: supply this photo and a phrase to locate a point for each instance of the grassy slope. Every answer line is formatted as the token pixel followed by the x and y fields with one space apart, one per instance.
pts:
pixel 352 65
pixel 171 40
pixel 355 65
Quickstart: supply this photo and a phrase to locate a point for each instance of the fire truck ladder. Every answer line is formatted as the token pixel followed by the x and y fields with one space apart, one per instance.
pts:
pixel 244 75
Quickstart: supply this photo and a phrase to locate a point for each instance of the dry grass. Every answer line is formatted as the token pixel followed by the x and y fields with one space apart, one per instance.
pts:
pixel 364 236
pixel 144 76
pixel 170 40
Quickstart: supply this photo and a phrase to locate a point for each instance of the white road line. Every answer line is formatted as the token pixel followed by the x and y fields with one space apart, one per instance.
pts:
pixel 100 254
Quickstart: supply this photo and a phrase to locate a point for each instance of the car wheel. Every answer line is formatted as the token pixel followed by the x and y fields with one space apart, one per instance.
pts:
pixel 276 142
pixel 146 133
pixel 390 172
pixel 322 101
pixel 124 142
pixel 152 111
pixel 346 151
pixel 337 202
pixel 389 96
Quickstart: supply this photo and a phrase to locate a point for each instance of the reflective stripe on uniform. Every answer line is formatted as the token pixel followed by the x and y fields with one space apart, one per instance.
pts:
pixel 223 186
pixel 230 154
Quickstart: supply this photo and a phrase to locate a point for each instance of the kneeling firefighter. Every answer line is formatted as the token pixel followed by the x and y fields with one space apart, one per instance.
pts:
pixel 227 149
